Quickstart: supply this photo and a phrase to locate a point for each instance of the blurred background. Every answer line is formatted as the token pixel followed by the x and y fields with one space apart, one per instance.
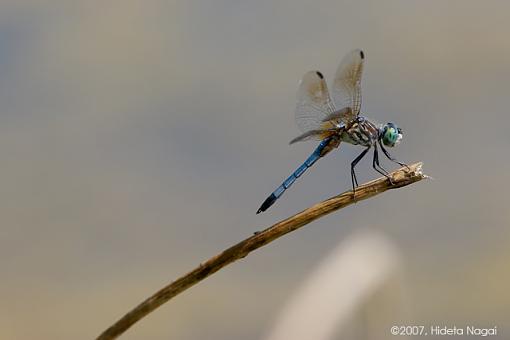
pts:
pixel 138 138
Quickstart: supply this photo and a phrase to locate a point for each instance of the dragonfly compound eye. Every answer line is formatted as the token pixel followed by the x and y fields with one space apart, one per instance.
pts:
pixel 391 135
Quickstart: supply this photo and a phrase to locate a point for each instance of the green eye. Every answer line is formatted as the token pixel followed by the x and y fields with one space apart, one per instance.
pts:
pixel 390 136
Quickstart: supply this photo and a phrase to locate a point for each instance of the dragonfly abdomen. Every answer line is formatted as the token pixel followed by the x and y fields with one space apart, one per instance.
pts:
pixel 320 151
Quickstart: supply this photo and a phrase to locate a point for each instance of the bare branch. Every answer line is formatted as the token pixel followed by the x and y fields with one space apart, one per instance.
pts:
pixel 400 178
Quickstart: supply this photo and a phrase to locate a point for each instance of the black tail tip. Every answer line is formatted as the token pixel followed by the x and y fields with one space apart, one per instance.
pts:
pixel 267 203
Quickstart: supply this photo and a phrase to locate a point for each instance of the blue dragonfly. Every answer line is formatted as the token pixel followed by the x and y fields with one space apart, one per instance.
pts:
pixel 335 119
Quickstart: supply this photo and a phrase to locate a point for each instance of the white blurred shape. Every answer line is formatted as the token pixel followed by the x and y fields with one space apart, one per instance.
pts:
pixel 330 295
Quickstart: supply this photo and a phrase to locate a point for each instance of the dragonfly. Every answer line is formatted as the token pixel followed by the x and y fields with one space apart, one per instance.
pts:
pixel 335 118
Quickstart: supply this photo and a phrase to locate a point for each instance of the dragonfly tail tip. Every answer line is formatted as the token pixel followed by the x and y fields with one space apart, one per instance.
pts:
pixel 267 203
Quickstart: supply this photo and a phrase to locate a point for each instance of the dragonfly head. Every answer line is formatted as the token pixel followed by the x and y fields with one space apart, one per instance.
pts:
pixel 390 134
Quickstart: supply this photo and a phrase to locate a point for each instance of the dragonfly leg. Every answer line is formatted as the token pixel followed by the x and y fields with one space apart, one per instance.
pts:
pixel 354 180
pixel 387 154
pixel 377 167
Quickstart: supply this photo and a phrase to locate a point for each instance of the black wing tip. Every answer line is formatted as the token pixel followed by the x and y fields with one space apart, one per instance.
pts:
pixel 361 54
pixel 267 203
pixel 319 74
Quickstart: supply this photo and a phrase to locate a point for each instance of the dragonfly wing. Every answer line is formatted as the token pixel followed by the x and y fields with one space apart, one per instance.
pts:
pixel 313 135
pixel 347 83
pixel 339 116
pixel 313 102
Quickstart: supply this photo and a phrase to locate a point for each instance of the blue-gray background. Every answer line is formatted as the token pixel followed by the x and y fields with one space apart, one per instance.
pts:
pixel 138 138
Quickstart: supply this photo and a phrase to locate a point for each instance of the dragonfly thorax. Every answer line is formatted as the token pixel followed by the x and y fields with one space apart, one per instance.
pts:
pixel 361 132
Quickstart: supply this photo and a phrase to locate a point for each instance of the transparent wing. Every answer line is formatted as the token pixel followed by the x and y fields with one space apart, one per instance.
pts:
pixel 339 116
pixel 312 135
pixel 346 90
pixel 313 103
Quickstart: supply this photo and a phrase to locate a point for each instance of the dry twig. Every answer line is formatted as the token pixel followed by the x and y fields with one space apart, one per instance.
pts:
pixel 400 178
